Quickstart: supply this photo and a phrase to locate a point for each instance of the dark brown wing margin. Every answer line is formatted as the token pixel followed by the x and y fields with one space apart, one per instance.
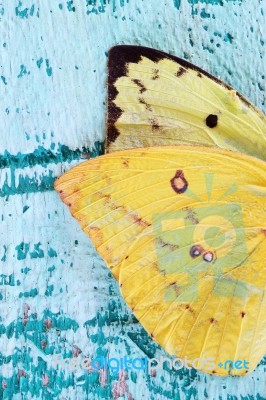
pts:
pixel 118 58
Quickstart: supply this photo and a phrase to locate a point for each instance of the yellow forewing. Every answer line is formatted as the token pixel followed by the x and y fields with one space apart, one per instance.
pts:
pixel 158 99
pixel 183 229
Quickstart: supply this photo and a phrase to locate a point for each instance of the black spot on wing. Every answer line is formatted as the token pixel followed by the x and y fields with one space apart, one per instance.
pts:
pixel 212 121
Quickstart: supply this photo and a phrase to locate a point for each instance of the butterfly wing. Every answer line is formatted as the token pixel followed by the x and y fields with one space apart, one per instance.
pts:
pixel 183 229
pixel 158 99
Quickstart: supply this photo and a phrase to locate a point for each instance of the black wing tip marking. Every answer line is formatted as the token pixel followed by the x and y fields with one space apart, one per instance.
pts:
pixel 121 55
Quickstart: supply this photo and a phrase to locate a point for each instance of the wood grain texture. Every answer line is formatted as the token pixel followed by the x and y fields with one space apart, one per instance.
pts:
pixel 57 296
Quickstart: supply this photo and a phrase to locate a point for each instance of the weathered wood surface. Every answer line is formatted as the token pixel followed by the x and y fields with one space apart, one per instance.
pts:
pixel 56 294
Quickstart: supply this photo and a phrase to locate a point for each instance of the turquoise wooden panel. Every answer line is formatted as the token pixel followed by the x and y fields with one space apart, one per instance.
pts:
pixel 57 296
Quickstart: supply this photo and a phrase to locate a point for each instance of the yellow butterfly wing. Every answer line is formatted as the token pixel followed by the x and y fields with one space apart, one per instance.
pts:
pixel 157 99
pixel 183 229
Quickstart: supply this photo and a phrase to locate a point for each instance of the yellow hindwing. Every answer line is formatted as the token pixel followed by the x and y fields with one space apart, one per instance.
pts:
pixel 183 229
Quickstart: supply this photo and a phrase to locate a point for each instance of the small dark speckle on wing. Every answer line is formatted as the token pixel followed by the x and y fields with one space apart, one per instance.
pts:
pixel 155 74
pixel 147 106
pixel 154 125
pixel 180 72
pixel 140 85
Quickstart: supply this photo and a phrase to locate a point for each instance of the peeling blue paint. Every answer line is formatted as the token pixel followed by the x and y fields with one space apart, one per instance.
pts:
pixel 7 280
pixel 25 208
pixel 48 68
pixel 43 157
pixel 32 251
pixel 24 13
pixel 3 80
pixel 25 270
pixel 49 290
pixel 70 6
pixel 22 250
pixel 205 14
pixel 214 2
pixel 99 6
pixel 228 38
pixel 3 258
pixel 39 62
pixel 30 293
pixel 52 253
pixel 23 71
pixel 37 252
pixel 177 4
pixel 39 183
